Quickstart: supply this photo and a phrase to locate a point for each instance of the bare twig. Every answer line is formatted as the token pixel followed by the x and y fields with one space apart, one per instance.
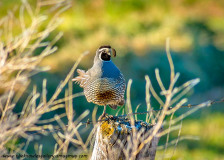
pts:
pixel 211 102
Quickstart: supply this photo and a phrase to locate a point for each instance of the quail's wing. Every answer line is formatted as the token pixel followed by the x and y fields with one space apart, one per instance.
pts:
pixel 82 78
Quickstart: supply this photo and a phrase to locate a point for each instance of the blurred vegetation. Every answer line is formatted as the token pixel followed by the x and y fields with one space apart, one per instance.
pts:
pixel 137 30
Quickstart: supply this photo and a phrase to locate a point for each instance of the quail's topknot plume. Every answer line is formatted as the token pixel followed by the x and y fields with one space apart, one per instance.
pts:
pixel 103 84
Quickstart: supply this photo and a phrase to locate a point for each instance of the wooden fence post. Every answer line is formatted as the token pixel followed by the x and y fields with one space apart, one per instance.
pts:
pixel 113 138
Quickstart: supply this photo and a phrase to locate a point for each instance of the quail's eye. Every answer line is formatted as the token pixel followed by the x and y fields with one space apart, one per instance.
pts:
pixel 104 56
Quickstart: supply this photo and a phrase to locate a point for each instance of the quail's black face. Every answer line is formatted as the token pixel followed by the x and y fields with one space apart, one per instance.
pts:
pixel 105 53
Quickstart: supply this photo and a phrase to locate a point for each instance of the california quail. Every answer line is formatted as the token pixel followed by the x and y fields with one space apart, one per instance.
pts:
pixel 103 84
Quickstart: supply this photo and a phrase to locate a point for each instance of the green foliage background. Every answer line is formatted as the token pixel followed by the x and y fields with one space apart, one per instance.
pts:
pixel 138 30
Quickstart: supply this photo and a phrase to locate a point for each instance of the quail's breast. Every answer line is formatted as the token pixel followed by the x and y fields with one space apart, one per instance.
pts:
pixel 104 91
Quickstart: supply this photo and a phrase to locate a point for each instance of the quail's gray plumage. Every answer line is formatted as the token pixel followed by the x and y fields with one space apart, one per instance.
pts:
pixel 103 84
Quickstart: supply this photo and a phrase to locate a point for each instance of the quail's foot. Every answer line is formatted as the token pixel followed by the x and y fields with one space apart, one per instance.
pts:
pixel 104 113
pixel 102 116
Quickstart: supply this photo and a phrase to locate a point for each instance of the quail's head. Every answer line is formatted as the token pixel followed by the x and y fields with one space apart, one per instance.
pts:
pixel 104 53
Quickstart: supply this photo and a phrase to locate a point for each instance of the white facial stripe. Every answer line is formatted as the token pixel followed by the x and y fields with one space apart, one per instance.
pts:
pixel 100 56
pixel 101 49
pixel 108 49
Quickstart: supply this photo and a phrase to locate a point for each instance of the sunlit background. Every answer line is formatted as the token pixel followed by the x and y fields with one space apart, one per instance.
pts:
pixel 138 31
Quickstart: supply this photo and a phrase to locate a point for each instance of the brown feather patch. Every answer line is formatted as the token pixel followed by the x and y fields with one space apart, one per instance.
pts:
pixel 107 95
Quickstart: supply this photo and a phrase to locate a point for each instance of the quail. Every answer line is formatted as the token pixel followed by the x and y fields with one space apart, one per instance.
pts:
pixel 103 84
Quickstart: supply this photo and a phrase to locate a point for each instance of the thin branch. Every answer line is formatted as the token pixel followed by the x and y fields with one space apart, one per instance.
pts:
pixel 208 103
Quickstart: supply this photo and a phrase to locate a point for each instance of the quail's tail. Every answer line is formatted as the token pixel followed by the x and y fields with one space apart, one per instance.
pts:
pixel 121 103
pixel 82 78
pixel 113 106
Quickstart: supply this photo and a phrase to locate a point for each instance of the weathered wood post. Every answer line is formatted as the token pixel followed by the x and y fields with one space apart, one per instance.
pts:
pixel 113 137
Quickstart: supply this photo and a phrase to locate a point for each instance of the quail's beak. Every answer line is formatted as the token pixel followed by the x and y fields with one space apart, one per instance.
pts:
pixel 108 51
